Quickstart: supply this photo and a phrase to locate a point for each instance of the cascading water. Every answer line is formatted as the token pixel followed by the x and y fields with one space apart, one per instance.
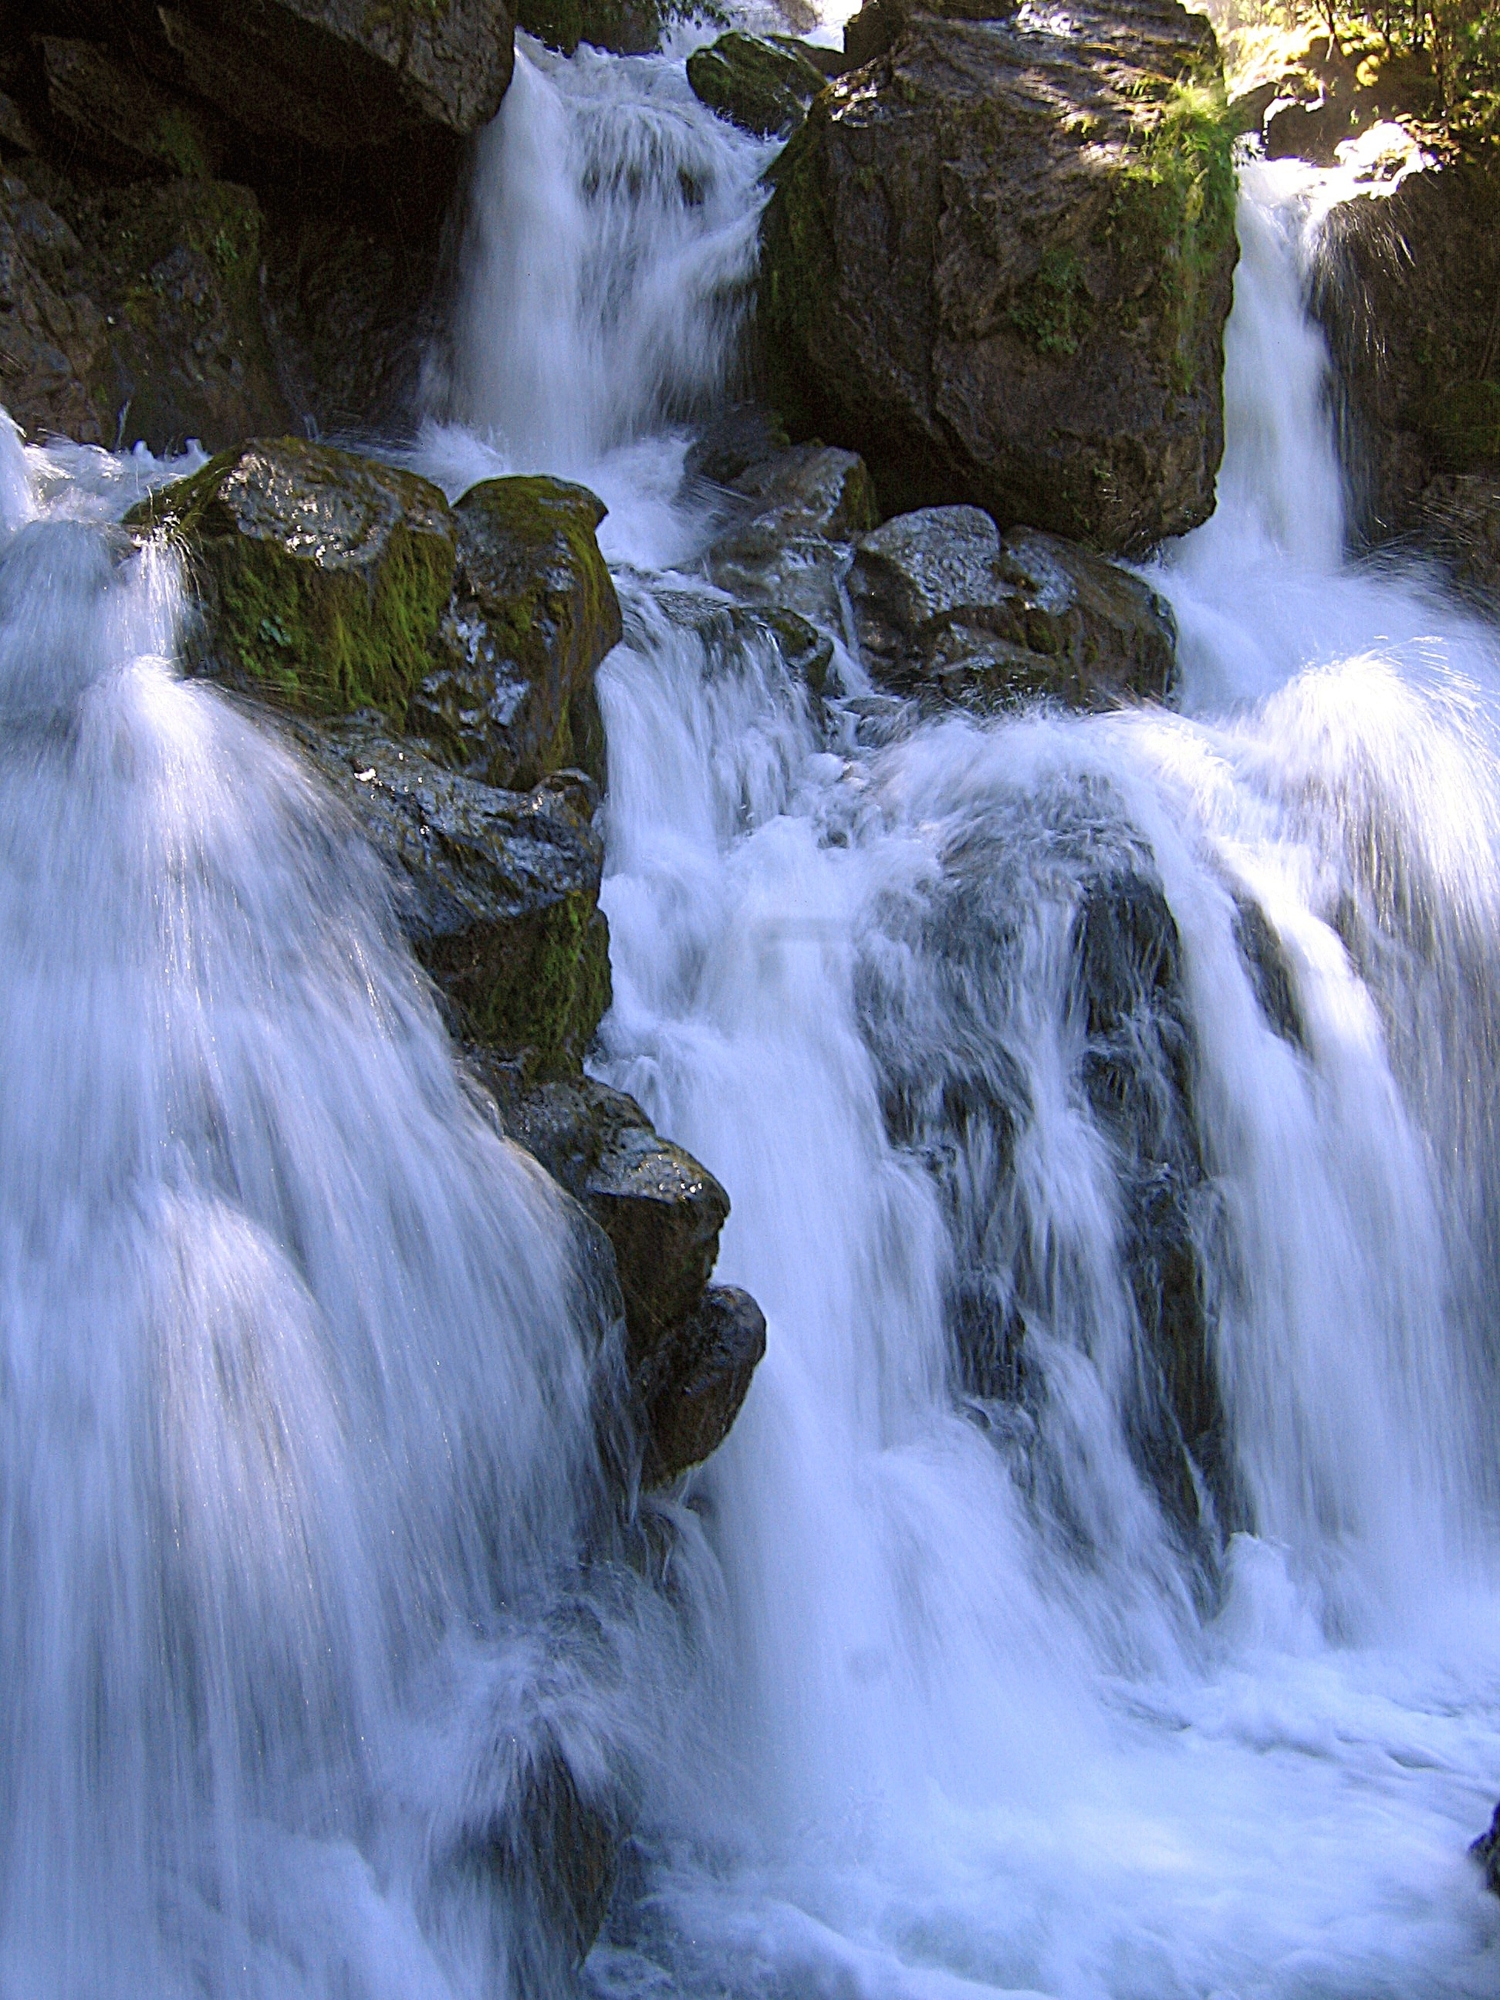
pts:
pixel 304 1589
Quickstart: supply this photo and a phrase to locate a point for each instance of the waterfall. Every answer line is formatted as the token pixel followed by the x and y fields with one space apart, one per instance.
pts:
pixel 1030 1052
pixel 298 1380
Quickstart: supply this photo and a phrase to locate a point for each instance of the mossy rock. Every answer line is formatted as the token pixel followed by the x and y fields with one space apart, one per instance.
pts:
pixel 762 86
pixel 510 694
pixel 625 27
pixel 998 263
pixel 323 575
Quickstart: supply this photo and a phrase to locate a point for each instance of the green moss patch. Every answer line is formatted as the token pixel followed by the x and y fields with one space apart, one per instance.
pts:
pixel 323 576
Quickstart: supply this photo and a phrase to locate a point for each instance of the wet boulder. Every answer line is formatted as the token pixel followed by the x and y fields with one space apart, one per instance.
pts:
pixel 998 263
pixel 331 582
pixel 948 610
pixel 1406 288
pixel 796 514
pixel 761 84
pixel 661 1210
pixel 497 891
pixel 691 1347
pixel 695 1382
pixel 322 575
pixel 510 696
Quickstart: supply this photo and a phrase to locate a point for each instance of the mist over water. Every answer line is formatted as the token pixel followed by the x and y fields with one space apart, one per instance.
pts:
pixel 307 1582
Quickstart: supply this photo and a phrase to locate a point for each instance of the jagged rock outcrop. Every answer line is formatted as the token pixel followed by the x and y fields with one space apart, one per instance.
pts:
pixel 691 1347
pixel 946 610
pixel 798 512
pixel 763 84
pixel 497 891
pixel 998 264
pixel 1409 293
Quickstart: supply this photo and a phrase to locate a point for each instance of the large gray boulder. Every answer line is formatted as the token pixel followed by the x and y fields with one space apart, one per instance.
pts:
pixel 949 612
pixel 998 264
pixel 762 84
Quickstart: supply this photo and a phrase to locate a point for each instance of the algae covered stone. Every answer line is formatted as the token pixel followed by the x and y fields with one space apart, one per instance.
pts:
pixel 323 575
pixel 998 264
pixel 510 694
pixel 762 86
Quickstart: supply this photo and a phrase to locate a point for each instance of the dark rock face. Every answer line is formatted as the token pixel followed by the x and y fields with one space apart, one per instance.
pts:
pixel 134 314
pixel 660 1209
pixel 998 263
pixel 1407 291
pixel 305 153
pixel 340 74
pixel 764 86
pixel 691 1347
pixel 880 24
pixel 948 611
pixel 497 891
pixel 799 511
pixel 1486 1851
pixel 626 27
pixel 1458 517
pixel 698 1380
pixel 1138 1073
pixel 533 612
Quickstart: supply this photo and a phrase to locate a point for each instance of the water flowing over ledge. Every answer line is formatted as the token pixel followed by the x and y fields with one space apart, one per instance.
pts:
pixel 301 1494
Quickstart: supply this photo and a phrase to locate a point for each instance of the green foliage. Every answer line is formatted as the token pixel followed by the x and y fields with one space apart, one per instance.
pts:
pixel 1054 311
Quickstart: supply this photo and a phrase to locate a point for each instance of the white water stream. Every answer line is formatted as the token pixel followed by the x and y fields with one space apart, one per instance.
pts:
pixel 296 1479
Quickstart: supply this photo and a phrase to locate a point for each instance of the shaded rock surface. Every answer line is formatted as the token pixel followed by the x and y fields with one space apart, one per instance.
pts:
pixel 497 891
pixel 334 129
pixel 947 610
pixel 998 263
pixel 1408 290
pixel 133 312
pixel 1458 517
pixel 798 512
pixel 762 84
pixel 691 1347
pixel 626 27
